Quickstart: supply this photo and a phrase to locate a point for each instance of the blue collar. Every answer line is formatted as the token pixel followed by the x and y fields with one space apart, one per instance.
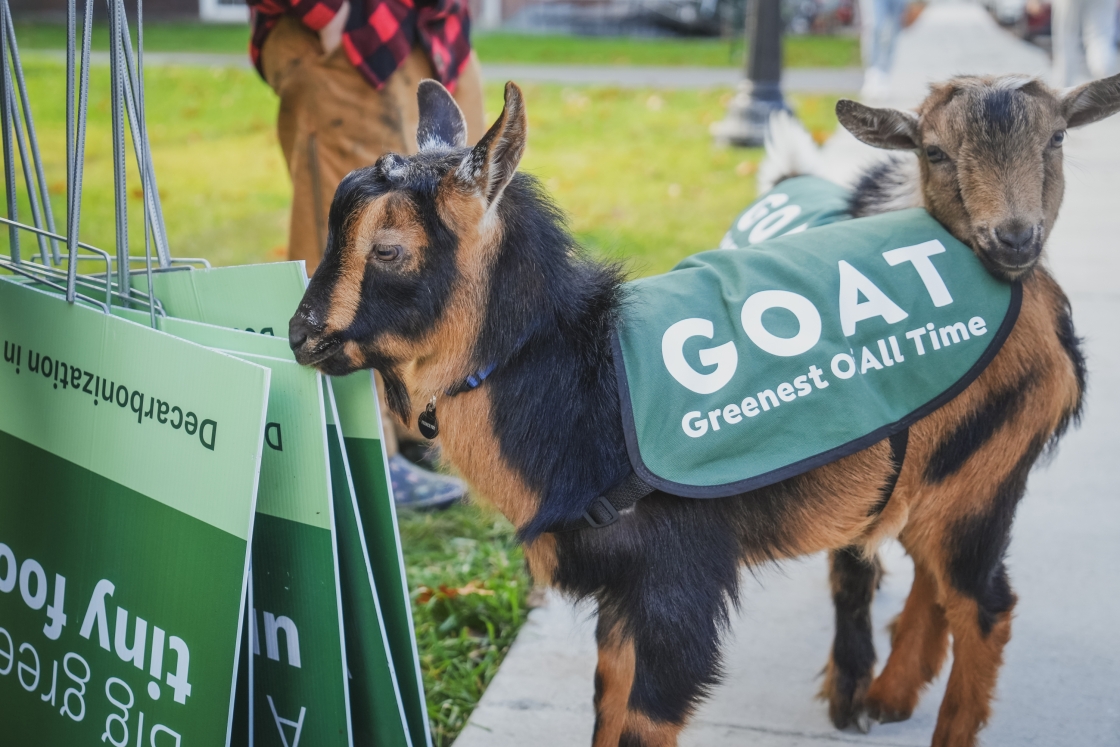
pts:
pixel 474 381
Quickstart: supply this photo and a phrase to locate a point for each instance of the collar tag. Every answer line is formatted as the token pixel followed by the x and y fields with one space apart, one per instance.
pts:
pixel 427 423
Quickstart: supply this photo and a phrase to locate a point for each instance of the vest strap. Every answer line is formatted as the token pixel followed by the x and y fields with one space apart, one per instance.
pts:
pixel 608 507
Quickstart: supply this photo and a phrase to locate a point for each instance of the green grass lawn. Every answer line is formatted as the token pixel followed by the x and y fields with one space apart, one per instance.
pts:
pixel 636 170
pixel 469 588
pixel 800 51
pixel 180 36
pixel 221 176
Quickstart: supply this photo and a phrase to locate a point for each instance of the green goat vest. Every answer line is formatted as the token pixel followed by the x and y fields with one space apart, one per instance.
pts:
pixel 795 205
pixel 743 367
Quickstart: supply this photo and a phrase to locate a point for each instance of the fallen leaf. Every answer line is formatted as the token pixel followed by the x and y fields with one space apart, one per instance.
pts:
pixel 472 587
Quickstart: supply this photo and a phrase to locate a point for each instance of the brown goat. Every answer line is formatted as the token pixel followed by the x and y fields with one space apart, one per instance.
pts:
pixel 456 277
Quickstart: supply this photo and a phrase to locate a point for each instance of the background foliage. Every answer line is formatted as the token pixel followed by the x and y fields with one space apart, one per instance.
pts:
pixel 800 51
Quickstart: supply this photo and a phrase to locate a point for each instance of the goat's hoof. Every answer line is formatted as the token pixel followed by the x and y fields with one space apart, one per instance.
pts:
pixel 885 714
pixel 845 712
pixel 845 695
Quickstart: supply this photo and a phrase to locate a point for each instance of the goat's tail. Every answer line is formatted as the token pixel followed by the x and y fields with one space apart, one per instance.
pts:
pixel 790 151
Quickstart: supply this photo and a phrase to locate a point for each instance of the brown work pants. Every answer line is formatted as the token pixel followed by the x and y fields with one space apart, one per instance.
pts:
pixel 333 121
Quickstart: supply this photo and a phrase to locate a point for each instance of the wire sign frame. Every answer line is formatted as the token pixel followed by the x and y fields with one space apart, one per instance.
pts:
pixel 63 263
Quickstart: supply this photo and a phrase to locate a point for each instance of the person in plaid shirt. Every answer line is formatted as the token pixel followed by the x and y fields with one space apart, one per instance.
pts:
pixel 346 72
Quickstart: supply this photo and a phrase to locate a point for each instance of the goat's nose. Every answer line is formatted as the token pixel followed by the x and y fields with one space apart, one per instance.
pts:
pixel 299 329
pixel 1015 237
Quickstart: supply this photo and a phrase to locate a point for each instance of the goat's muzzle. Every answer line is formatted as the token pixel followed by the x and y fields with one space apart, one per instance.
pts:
pixel 307 340
pixel 1012 248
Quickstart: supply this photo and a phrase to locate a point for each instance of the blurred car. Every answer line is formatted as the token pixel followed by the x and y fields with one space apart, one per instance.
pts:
pixel 726 17
pixel 699 17
pixel 818 16
pixel 1029 19
pixel 1007 12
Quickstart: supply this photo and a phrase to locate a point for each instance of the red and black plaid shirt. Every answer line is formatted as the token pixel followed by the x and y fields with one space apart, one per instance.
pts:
pixel 380 34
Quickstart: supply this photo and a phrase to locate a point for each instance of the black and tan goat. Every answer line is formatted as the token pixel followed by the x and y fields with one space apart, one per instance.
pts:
pixel 450 263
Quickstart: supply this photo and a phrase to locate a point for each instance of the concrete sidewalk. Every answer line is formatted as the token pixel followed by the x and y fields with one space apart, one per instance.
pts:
pixel 1062 674
pixel 958 39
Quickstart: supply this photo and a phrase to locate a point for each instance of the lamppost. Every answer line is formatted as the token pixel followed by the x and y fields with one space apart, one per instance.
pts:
pixel 760 92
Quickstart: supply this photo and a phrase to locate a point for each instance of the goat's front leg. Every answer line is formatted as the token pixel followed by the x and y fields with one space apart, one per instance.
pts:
pixel 614 676
pixel 850 667
pixel 619 720
pixel 981 627
pixel 658 656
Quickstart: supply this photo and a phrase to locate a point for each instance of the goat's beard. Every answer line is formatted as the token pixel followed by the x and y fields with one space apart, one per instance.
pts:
pixel 396 392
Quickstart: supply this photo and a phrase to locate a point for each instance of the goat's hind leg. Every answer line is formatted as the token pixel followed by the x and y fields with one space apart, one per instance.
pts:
pixel 850 666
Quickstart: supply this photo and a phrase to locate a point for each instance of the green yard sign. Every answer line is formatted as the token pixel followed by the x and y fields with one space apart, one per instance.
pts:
pixel 380 720
pixel 256 298
pixel 300 688
pixel 130 461
pixel 361 432
pixel 376 710
pixel 375 597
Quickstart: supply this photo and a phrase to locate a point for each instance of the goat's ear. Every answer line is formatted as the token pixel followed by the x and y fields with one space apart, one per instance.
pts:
pixel 492 163
pixel 1092 101
pixel 441 120
pixel 883 128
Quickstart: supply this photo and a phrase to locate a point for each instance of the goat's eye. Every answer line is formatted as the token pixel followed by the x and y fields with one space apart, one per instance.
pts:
pixel 1058 138
pixel 387 252
pixel 935 154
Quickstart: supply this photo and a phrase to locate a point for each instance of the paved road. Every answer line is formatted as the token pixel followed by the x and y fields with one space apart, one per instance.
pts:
pixel 1062 674
pixel 797 80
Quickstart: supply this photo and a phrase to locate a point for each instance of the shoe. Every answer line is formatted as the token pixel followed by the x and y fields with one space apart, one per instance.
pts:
pixel 418 489
pixel 876 86
pixel 423 454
